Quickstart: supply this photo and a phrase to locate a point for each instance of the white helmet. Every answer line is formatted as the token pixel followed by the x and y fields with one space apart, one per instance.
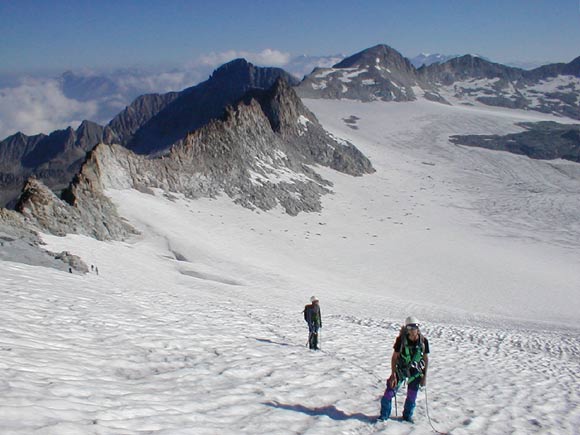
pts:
pixel 313 299
pixel 411 320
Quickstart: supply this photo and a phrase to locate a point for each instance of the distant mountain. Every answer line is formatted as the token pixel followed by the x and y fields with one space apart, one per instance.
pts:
pixel 377 73
pixel 382 73
pixel 300 66
pixel 87 87
pixel 427 59
pixel 467 67
pixel 551 88
pixel 528 65
pixel 110 92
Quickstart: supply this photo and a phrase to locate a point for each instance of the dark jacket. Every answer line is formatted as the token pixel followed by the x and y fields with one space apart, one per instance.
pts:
pixel 312 315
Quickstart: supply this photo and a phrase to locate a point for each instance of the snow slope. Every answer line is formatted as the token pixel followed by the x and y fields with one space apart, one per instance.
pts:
pixel 195 327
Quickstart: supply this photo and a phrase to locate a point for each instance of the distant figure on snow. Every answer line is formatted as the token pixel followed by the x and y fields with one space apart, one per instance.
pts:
pixel 96 270
pixel 409 362
pixel 314 319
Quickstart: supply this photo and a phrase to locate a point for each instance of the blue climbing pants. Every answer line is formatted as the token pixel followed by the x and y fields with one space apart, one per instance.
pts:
pixel 387 400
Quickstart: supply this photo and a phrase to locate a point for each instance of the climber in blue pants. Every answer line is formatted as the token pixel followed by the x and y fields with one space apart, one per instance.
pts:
pixel 408 363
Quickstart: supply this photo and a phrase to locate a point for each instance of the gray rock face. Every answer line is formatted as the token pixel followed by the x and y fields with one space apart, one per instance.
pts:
pixel 261 154
pixel 20 243
pixel 378 73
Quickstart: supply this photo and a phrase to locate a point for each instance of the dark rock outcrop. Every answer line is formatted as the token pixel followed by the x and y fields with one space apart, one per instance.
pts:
pixel 542 140
pixel 137 114
pixel 54 158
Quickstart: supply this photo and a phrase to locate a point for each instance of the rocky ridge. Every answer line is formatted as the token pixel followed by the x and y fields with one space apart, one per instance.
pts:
pixel 470 80
pixel 262 153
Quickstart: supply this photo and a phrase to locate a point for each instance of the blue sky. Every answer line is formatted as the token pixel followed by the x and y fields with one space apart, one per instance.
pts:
pixel 66 34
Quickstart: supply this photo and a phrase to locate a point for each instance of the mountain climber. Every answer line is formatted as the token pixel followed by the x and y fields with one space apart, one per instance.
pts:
pixel 409 362
pixel 314 319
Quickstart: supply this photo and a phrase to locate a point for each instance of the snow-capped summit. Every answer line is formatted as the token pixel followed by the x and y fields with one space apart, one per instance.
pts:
pixel 377 73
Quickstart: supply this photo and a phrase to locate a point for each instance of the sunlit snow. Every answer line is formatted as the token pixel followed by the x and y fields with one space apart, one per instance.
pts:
pixel 195 326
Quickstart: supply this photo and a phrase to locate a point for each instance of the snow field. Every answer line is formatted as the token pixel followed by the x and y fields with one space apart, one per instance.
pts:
pixel 195 327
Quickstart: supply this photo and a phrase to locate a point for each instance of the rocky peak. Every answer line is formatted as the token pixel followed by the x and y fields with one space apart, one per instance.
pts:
pixel 379 56
pixel 249 75
pixel 377 73
pixel 198 105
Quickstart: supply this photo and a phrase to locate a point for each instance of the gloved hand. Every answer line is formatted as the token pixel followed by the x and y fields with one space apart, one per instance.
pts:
pixel 392 381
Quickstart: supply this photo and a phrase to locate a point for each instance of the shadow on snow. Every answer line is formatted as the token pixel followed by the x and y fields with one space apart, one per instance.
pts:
pixel 265 340
pixel 329 411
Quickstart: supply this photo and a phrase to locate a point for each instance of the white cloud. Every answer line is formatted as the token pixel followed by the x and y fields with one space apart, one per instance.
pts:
pixel 267 57
pixel 43 105
pixel 39 106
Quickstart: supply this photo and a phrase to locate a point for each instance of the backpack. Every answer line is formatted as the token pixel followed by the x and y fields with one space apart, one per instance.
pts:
pixel 305 313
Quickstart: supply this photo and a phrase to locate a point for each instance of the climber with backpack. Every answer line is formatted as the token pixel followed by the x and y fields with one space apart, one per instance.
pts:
pixel 408 363
pixel 313 318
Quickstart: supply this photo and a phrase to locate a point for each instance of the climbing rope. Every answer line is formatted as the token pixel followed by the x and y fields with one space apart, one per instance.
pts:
pixel 428 417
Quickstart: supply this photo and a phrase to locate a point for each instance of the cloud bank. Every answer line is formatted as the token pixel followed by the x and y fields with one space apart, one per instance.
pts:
pixel 39 106
pixel 42 105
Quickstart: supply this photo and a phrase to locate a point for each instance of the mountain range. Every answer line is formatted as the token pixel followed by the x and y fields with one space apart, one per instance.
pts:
pixel 245 132
pixel 382 73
